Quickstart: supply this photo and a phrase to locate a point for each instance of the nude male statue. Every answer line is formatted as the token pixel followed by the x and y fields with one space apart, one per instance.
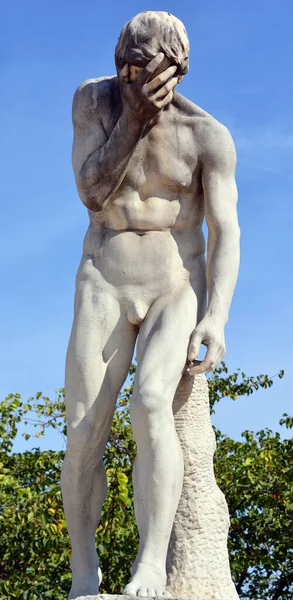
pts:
pixel 150 166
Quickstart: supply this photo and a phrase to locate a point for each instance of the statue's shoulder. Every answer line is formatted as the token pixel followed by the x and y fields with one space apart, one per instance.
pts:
pixel 211 134
pixel 92 98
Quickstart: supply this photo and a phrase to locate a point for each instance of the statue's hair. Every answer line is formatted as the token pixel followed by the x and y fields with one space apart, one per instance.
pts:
pixel 149 33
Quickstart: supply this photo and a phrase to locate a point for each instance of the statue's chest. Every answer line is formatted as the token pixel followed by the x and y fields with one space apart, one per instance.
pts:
pixel 168 151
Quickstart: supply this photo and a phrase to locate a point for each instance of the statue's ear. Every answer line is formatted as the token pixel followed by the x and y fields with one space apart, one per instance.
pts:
pixel 124 73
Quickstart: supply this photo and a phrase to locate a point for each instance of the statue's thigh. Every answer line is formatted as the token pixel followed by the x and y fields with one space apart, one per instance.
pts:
pixel 100 348
pixel 164 338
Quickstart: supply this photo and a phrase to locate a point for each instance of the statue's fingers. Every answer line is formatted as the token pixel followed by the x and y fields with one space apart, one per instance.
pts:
pixel 161 93
pixel 221 354
pixel 196 369
pixel 160 81
pixel 210 360
pixel 192 366
pixel 161 104
pixel 150 68
pixel 194 347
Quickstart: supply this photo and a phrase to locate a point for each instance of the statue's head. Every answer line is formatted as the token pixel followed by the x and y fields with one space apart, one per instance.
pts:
pixel 149 33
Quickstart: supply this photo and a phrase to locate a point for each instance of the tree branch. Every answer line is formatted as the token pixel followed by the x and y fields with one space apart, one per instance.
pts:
pixel 243 576
pixel 282 584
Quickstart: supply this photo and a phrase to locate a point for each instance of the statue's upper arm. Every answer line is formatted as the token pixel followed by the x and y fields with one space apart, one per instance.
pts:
pixel 218 176
pixel 87 111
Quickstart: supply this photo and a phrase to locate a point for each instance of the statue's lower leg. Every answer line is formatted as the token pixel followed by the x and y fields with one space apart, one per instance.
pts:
pixel 157 476
pixel 84 489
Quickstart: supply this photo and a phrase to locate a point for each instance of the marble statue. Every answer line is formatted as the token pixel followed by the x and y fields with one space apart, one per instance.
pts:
pixel 150 166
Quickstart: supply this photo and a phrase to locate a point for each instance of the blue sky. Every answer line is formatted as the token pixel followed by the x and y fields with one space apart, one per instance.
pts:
pixel 241 72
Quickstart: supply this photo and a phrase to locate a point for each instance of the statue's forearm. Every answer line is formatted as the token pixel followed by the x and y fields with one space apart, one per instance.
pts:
pixel 104 170
pixel 222 270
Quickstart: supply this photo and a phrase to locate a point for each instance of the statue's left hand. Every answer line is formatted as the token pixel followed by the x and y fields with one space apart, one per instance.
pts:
pixel 211 334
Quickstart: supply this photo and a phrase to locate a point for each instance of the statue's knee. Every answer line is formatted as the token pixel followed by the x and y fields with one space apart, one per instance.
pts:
pixel 83 446
pixel 146 400
pixel 149 408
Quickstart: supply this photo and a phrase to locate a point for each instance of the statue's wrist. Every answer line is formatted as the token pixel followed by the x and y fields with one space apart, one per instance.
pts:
pixel 217 316
pixel 132 120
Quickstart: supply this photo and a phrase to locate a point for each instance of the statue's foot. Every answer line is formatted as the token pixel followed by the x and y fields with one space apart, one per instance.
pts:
pixel 85 585
pixel 89 588
pixel 147 582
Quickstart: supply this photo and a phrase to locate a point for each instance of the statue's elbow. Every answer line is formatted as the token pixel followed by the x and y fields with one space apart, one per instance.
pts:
pixel 88 192
pixel 90 198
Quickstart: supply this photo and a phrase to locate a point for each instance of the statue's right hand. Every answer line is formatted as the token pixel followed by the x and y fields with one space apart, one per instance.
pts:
pixel 145 97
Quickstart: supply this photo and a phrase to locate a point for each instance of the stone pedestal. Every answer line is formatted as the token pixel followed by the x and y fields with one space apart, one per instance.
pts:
pixel 122 597
pixel 197 562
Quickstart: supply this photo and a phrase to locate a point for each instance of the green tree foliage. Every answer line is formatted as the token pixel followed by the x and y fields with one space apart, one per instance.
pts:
pixel 255 474
pixel 256 477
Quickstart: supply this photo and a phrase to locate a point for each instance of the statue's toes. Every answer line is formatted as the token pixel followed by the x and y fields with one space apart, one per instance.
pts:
pixel 130 590
pixel 142 592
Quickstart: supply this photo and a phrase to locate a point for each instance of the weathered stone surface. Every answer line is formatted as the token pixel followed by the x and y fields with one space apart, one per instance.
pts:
pixel 197 562
pixel 149 165
pixel 104 597
pixel 123 597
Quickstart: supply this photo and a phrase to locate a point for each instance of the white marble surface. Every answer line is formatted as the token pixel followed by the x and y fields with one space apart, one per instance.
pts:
pixel 149 165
